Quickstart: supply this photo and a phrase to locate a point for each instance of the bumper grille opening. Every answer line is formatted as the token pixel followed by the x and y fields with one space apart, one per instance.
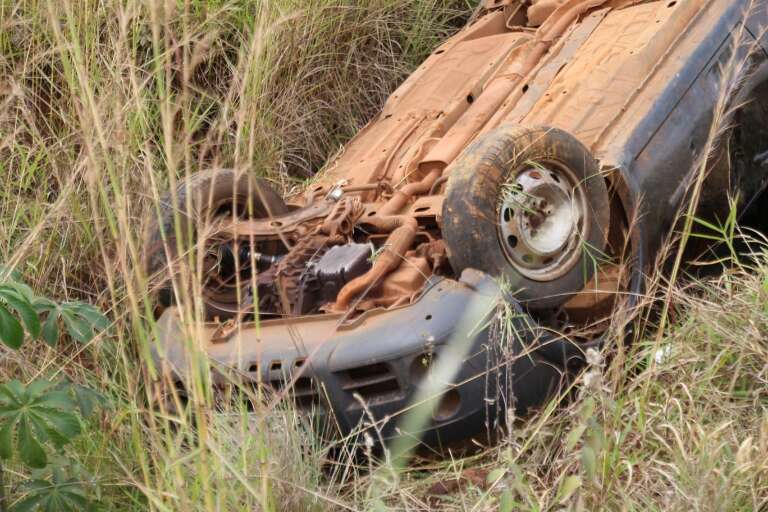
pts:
pixel 371 382
pixel 305 392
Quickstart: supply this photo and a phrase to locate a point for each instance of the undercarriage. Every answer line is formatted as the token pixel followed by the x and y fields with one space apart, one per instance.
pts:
pixel 536 160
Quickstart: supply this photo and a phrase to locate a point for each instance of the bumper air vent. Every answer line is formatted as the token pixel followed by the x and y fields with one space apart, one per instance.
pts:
pixel 375 382
pixel 305 392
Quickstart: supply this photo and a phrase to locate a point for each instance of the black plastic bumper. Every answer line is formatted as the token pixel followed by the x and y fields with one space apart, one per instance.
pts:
pixel 367 373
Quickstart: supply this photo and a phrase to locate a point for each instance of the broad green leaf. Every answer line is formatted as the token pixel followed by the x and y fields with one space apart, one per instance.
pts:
pixel 57 439
pixel 88 399
pixel 14 389
pixel 28 504
pixel 58 398
pixel 24 291
pixel 43 304
pixel 74 501
pixel 6 439
pixel 7 411
pixel 39 427
pixel 51 329
pixel 37 484
pixel 53 502
pixel 56 495
pixel 97 320
pixel 25 310
pixel 41 413
pixel 65 423
pixel 30 450
pixel 73 490
pixel 9 396
pixel 37 387
pixel 11 332
pixel 77 328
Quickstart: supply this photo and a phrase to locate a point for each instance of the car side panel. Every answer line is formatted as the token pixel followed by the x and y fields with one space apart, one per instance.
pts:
pixel 658 141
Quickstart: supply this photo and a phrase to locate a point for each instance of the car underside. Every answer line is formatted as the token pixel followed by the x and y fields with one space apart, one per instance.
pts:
pixel 529 169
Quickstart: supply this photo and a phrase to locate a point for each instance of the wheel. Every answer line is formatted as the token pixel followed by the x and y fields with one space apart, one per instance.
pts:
pixel 527 205
pixel 199 199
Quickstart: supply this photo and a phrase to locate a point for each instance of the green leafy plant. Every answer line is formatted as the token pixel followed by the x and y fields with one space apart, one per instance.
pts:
pixel 64 495
pixel 38 416
pixel 20 308
pixel 82 321
pixel 15 298
pixel 55 490
pixel 43 414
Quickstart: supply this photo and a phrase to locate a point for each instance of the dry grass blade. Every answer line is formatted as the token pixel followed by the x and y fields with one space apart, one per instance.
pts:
pixel 107 104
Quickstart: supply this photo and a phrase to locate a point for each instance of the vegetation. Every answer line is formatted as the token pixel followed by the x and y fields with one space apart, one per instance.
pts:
pixel 44 413
pixel 105 104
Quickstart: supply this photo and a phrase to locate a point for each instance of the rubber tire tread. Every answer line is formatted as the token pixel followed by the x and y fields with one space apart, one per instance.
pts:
pixel 194 197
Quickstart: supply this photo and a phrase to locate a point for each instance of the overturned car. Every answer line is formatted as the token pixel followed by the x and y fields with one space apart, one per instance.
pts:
pixel 534 162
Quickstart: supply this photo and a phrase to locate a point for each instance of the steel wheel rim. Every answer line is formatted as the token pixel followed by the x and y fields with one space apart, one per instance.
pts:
pixel 543 220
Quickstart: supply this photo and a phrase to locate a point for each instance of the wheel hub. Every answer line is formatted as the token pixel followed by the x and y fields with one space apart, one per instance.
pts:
pixel 542 216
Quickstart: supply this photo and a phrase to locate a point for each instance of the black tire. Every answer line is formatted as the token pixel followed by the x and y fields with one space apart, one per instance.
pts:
pixel 200 198
pixel 471 212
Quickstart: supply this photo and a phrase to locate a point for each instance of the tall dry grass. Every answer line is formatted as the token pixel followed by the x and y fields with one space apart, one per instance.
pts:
pixel 106 104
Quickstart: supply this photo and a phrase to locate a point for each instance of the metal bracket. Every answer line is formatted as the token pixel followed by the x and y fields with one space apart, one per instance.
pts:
pixel 495 4
pixel 337 191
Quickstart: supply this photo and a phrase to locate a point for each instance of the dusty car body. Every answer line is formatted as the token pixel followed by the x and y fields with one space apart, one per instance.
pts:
pixel 547 147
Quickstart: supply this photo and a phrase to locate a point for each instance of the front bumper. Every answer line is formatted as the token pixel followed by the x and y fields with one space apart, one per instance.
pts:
pixel 366 373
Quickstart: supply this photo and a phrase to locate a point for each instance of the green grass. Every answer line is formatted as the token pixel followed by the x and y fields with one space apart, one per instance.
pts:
pixel 105 105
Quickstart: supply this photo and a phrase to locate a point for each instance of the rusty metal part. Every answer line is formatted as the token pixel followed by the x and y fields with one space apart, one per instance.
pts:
pixel 379 187
pixel 405 194
pixel 506 86
pixel 339 223
pixel 540 10
pixel 404 284
pixel 403 229
pixel 634 81
pixel 287 224
pixel 401 284
pixel 292 271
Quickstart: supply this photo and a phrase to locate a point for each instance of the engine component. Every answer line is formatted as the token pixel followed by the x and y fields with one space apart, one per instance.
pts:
pixel 231 257
pixel 296 282
pixel 340 265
